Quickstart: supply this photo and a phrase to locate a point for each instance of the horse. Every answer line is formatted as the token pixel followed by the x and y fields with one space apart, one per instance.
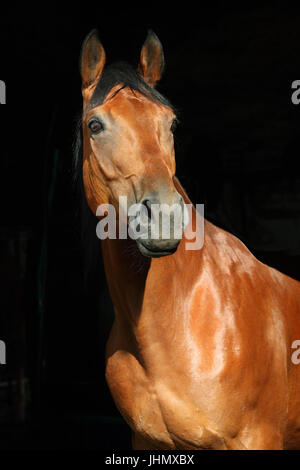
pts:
pixel 200 352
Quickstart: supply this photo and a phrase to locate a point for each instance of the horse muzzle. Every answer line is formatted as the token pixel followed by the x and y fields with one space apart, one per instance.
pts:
pixel 161 225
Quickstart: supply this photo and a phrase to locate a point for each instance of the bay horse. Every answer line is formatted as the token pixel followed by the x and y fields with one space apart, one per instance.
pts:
pixel 199 354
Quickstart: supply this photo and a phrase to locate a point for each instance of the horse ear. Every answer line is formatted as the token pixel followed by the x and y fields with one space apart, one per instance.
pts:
pixel 92 61
pixel 152 59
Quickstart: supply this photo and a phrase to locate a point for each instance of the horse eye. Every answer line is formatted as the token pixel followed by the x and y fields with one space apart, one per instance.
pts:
pixel 95 126
pixel 173 125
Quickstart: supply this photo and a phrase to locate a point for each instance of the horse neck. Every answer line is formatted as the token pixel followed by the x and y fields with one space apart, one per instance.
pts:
pixel 127 271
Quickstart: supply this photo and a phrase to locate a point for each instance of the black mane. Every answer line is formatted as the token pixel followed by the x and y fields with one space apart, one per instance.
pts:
pixel 124 74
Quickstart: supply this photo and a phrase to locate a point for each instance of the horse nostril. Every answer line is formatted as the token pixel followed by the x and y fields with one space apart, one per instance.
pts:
pixel 147 204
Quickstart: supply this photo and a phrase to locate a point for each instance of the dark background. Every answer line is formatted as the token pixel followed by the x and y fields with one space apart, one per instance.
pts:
pixel 229 73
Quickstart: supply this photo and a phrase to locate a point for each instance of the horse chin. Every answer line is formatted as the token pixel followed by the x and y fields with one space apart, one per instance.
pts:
pixel 155 252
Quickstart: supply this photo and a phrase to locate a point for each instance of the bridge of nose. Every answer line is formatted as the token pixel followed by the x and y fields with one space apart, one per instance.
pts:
pixel 144 119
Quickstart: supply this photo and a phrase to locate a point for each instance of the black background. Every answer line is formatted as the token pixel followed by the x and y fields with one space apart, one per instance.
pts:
pixel 228 72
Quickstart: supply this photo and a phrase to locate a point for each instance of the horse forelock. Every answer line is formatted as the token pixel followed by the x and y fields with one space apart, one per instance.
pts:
pixel 123 74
